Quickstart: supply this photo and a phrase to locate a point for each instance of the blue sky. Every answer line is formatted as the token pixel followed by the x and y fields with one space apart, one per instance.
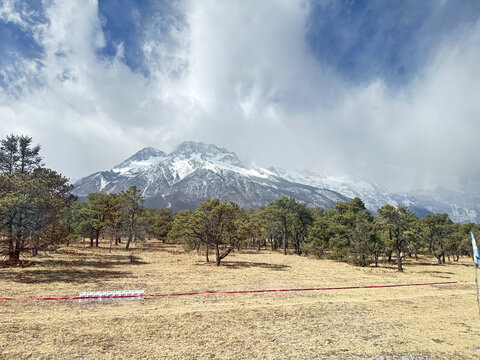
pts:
pixel 393 40
pixel 334 85
pixel 128 22
pixel 360 40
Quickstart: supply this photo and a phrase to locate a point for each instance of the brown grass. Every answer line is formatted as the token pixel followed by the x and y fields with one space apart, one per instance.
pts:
pixel 434 322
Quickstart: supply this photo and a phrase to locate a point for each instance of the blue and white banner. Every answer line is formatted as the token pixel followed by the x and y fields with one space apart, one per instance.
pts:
pixel 476 256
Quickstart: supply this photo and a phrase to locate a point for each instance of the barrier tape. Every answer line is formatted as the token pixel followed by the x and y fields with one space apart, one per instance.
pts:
pixel 225 292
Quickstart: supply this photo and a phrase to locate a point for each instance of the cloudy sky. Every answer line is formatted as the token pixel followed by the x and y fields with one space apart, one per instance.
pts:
pixel 386 90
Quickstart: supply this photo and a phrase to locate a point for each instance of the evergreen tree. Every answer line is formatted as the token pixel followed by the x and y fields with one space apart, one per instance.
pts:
pixel 98 208
pixel 33 210
pixel 131 201
pixel 114 219
pixel 438 228
pixel 158 222
pixel 281 214
pixel 28 156
pixel 8 154
pixel 18 154
pixel 320 233
pixel 396 222
pixel 188 230
pixel 33 200
pixel 215 223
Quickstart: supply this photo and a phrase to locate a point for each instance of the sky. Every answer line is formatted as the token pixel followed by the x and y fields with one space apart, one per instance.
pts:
pixel 383 90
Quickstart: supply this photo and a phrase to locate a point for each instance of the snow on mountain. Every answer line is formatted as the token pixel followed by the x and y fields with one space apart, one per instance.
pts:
pixel 195 171
pixel 461 205
pixel 373 195
pixel 139 162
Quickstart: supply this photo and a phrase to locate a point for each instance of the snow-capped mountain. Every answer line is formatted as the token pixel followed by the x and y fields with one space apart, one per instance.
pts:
pixel 461 206
pixel 374 196
pixel 195 172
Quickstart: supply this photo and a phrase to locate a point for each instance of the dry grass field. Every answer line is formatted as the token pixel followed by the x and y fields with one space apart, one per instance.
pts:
pixel 427 322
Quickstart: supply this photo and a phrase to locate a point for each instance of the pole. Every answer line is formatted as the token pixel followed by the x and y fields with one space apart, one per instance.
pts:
pixel 478 297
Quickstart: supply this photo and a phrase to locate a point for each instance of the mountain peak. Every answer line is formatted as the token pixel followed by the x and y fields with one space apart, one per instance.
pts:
pixel 141 156
pixel 207 152
pixel 190 147
pixel 148 152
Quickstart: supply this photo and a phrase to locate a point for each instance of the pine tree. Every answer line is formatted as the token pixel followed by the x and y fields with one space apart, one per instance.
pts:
pixel 131 200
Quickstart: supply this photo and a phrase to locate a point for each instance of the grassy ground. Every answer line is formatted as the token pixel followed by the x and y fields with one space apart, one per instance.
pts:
pixel 434 322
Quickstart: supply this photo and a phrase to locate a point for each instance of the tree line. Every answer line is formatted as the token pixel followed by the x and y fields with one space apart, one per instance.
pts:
pixel 38 212
pixel 349 232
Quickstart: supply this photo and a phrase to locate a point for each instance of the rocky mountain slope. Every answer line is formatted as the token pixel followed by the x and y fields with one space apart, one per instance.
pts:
pixel 197 171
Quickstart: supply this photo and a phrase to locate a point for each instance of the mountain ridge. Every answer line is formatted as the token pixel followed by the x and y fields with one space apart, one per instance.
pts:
pixel 196 171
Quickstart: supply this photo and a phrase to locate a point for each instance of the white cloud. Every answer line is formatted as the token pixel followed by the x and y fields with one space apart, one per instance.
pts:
pixel 8 13
pixel 241 75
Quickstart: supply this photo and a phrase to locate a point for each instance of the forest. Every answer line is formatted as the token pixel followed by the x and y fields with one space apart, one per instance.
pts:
pixel 39 213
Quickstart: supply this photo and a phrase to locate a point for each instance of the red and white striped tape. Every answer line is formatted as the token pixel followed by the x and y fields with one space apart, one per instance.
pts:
pixel 225 292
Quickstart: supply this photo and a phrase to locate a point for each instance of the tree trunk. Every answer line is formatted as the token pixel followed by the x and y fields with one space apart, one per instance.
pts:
pixel 130 236
pixel 284 244
pixel 399 261
pixel 389 257
pixel 11 248
pixel 97 235
pixel 91 239
pixel 206 252
pixel 15 256
pixel 130 232
pixel 217 254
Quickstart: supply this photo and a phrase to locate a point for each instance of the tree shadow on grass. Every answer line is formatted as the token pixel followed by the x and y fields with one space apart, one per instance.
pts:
pixel 61 275
pixel 248 264
pixel 127 260
pixel 437 272
pixel 173 249
pixel 455 263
